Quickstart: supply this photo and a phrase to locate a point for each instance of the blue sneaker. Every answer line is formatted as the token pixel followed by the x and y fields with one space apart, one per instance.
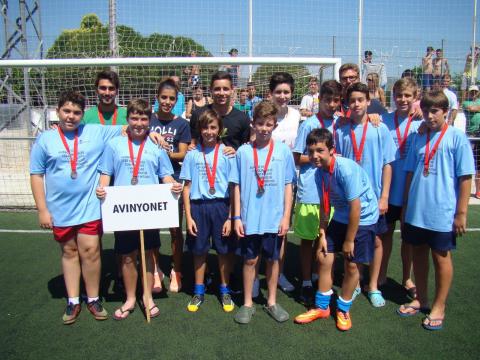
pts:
pixel 284 284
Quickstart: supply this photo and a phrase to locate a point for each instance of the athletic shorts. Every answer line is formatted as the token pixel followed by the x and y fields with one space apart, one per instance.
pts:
pixel 209 216
pixel 381 226
pixel 65 233
pixel 306 221
pixel 436 240
pixel 129 241
pixel 268 245
pixel 364 242
pixel 393 214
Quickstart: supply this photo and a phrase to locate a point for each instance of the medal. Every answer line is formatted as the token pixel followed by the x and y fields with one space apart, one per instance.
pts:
pixel 74 158
pixel 326 189
pixel 430 154
pixel 359 151
pixel 136 163
pixel 261 180
pixel 402 140
pixel 211 173
pixel 102 119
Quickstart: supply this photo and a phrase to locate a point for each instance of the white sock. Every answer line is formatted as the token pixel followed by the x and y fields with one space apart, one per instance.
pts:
pixel 89 299
pixel 307 283
pixel 74 300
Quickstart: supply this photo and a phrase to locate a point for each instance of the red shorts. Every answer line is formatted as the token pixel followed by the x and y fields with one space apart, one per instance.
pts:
pixel 65 233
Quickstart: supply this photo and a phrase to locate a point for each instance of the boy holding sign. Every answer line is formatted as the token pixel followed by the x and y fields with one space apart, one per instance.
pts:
pixel 136 160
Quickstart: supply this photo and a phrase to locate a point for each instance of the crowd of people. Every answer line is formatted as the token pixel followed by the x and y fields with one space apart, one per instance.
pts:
pixel 346 174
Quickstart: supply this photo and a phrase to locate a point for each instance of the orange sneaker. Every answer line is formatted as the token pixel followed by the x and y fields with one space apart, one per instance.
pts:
pixel 175 281
pixel 312 315
pixel 344 323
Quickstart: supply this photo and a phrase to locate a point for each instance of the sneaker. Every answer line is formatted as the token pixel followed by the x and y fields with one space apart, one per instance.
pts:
pixel 477 194
pixel 227 302
pixel 256 288
pixel 276 312
pixel 284 284
pixel 306 295
pixel 312 315
pixel 71 313
pixel 344 322
pixel 97 310
pixel 244 314
pixel 175 281
pixel 195 303
pixel 158 282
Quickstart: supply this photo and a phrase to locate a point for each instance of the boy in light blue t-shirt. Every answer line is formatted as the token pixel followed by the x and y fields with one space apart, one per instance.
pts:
pixel 262 181
pixel 439 169
pixel 307 209
pixel 131 161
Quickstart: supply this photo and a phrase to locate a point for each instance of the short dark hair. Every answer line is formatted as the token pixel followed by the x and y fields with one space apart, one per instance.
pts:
pixel 233 50
pixel 109 75
pixel 281 78
pixel 368 52
pixel 250 83
pixel 221 75
pixel 140 107
pixel 408 73
pixel 359 87
pixel 320 136
pixel 435 98
pixel 73 96
pixel 265 109
pixel 331 88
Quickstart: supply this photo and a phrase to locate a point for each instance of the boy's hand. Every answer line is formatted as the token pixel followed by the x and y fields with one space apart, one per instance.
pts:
pixel 460 224
pixel 227 228
pixel 238 225
pixel 229 151
pixel 382 205
pixel 176 188
pixel 191 147
pixel 45 219
pixel 322 245
pixel 101 193
pixel 283 227
pixel 348 247
pixel 191 226
pixel 375 119
pixel 417 114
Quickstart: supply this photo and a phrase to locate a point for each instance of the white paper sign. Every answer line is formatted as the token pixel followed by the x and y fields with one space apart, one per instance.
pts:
pixel 139 207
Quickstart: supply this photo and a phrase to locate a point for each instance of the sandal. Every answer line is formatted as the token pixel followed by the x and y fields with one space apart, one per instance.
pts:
pixel 427 323
pixel 376 298
pixel 409 310
pixel 154 314
pixel 122 315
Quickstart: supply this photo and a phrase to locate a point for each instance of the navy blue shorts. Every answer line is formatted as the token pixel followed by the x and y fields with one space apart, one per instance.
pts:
pixel 210 215
pixel 436 240
pixel 393 214
pixel 364 242
pixel 381 226
pixel 267 245
pixel 129 241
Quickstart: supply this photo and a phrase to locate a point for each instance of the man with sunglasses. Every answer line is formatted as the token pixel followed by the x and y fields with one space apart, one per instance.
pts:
pixel 106 112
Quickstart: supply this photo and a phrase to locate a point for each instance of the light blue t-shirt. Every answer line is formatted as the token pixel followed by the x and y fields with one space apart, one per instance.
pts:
pixel 306 187
pixel 347 183
pixel 379 150
pixel 116 161
pixel 193 169
pixel 179 107
pixel 397 186
pixel 432 199
pixel 262 214
pixel 71 202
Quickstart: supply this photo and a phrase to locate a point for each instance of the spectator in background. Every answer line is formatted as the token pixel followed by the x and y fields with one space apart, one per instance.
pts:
pixel 233 70
pixel 242 104
pixel 179 108
pixel 198 100
pixel 369 67
pixel 252 98
pixel 467 71
pixel 452 99
pixel 375 91
pixel 192 72
pixel 471 109
pixel 427 69
pixel 309 104
pixel 440 65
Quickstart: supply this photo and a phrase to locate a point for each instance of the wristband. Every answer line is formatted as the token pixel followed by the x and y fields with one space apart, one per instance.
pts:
pixel 236 218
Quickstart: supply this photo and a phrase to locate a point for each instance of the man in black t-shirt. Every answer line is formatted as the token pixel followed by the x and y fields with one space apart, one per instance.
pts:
pixel 235 122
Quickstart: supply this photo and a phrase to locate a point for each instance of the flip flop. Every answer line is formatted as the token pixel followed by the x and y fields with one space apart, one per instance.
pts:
pixel 154 315
pixel 122 312
pixel 427 325
pixel 376 298
pixel 416 310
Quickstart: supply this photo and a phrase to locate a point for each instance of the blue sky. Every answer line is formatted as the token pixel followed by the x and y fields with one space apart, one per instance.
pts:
pixel 397 31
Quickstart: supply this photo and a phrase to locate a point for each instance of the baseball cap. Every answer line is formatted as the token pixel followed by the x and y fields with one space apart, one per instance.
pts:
pixel 473 88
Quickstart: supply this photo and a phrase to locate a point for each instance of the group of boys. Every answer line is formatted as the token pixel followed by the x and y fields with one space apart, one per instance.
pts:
pixel 358 176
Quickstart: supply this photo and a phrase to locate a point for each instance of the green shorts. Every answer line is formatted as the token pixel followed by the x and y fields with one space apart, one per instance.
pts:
pixel 306 221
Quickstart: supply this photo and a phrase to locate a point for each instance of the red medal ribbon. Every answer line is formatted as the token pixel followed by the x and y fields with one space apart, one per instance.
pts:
pixel 211 172
pixel 430 154
pixel 74 158
pixel 320 119
pixel 402 140
pixel 322 126
pixel 135 164
pixel 326 190
pixel 261 181
pixel 358 152
pixel 102 119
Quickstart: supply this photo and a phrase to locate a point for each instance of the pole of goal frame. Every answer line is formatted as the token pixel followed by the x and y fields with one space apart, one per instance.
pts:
pixel 144 274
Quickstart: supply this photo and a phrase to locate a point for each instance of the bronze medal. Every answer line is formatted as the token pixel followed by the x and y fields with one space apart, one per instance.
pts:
pixel 211 191
pixel 73 175
pixel 134 180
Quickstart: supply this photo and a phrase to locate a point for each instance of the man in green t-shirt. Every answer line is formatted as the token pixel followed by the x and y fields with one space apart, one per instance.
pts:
pixel 471 109
pixel 106 112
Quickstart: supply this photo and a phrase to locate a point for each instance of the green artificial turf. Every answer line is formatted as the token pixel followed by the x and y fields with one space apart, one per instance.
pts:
pixel 32 303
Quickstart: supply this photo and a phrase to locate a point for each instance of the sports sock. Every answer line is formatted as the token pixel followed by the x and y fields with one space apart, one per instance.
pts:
pixel 322 300
pixel 224 289
pixel 92 299
pixel 306 283
pixel 343 305
pixel 74 300
pixel 199 289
